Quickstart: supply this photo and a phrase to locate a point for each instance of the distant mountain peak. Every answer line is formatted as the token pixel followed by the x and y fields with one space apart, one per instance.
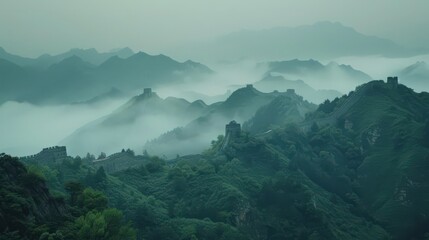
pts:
pixel 72 59
pixel 124 51
pixel 139 55
pixel 416 67
pixel 72 62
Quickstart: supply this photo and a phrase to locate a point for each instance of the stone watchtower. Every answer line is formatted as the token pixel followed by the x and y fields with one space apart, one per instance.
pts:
pixel 147 92
pixel 393 82
pixel 290 91
pixel 233 129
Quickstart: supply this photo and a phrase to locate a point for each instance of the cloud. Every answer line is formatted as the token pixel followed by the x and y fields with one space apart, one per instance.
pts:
pixel 26 129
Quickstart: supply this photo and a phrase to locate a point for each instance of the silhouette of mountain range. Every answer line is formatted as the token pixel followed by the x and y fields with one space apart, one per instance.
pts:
pixel 322 40
pixel 74 79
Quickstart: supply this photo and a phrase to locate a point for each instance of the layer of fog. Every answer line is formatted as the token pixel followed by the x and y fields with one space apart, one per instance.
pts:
pixel 380 67
pixel 25 128
pixel 228 77
pixel 110 139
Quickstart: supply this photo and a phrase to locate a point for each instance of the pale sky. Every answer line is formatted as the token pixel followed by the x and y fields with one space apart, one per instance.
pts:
pixel 33 27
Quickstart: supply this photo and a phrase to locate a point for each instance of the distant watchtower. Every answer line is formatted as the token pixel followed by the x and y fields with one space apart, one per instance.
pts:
pixel 233 129
pixel 147 91
pixel 290 91
pixel 249 85
pixel 392 81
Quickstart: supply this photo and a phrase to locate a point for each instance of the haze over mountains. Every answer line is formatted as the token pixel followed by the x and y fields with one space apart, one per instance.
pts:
pixel 283 133
pixel 87 77
pixel 44 61
pixel 416 76
pixel 322 40
pixel 75 79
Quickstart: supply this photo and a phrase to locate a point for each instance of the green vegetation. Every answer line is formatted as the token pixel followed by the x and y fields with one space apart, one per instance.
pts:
pixel 362 177
pixel 29 211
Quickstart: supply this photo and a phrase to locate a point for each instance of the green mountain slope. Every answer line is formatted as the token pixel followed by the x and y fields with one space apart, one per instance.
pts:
pixel 197 135
pixel 282 110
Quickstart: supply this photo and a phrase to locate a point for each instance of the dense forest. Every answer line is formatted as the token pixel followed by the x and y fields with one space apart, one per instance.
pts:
pixel 363 177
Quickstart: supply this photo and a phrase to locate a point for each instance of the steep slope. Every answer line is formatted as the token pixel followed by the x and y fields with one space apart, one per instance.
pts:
pixel 271 83
pixel 389 125
pixel 342 78
pixel 197 135
pixel 13 77
pixel 255 189
pixel 18 60
pixel 142 118
pixel 25 202
pixel 416 76
pixel 111 95
pixel 282 110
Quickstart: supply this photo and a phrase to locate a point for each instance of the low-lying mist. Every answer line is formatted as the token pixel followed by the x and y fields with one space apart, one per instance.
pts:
pixel 26 129
pixel 218 86
pixel 97 137
pixel 380 67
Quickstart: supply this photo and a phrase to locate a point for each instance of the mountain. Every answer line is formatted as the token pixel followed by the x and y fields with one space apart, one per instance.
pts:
pixel 142 118
pixel 358 172
pixel 31 208
pixel 155 70
pixel 89 55
pixel 282 110
pixel 44 61
pixel 389 125
pixel 378 133
pixel 416 76
pixel 26 202
pixel 322 40
pixel 279 83
pixel 73 79
pixel 342 78
pixel 18 60
pixel 112 94
pixel 65 82
pixel 197 135
pixel 13 77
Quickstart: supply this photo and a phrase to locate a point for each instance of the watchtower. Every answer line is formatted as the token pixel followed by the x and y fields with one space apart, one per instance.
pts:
pixel 249 85
pixel 393 81
pixel 233 129
pixel 147 91
pixel 290 91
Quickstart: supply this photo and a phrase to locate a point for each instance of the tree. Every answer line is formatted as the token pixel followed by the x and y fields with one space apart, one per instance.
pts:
pixel 155 164
pixel 108 224
pixel 145 153
pixel 130 152
pixel 89 157
pixel 102 155
pixel 74 189
pixel 91 199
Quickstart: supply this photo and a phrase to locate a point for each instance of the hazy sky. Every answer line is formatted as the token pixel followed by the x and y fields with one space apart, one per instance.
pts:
pixel 32 27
